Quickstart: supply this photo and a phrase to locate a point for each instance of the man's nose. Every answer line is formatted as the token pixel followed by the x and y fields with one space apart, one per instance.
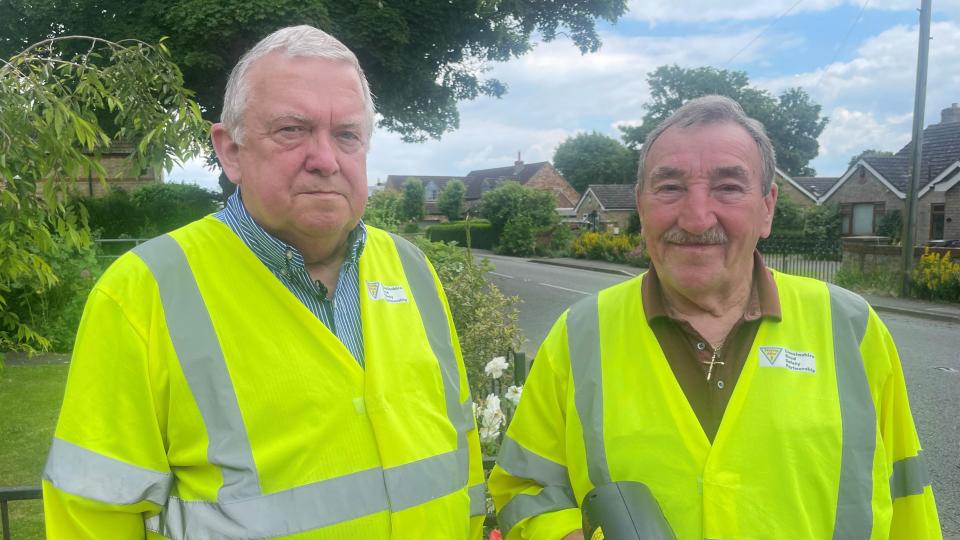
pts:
pixel 321 155
pixel 696 214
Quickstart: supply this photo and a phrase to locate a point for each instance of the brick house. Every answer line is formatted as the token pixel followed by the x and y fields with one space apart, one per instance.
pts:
pixel 541 175
pixel 607 206
pixel 805 190
pixel 876 185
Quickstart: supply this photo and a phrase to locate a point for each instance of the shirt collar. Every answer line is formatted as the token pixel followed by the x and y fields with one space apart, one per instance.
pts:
pixel 764 299
pixel 276 254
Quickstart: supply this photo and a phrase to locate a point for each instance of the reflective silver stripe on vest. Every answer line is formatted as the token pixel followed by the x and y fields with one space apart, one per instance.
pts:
pixel 522 506
pixel 522 463
pixel 854 518
pixel 583 342
pixel 78 471
pixel 909 476
pixel 304 507
pixel 478 499
pixel 201 359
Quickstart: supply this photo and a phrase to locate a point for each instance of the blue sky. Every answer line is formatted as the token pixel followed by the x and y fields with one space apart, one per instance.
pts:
pixel 856 59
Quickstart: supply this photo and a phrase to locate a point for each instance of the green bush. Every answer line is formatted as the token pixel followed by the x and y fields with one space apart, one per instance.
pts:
pixel 602 246
pixel 411 228
pixel 891 225
pixel 937 277
pixel 518 237
pixel 485 319
pixel 874 281
pixel 481 233
pixel 55 311
pixel 384 209
pixel 150 211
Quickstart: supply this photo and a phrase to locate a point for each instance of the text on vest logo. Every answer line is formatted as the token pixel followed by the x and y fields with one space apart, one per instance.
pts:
pixel 782 357
pixel 391 293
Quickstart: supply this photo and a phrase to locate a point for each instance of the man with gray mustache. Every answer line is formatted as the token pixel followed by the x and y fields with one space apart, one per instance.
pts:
pixel 713 397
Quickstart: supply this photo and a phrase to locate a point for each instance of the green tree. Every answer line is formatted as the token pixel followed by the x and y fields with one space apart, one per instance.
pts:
pixel 868 153
pixel 792 120
pixel 421 57
pixel 450 201
pixel 58 113
pixel 518 215
pixel 166 207
pixel 384 210
pixel 787 216
pixel 594 158
pixel 413 198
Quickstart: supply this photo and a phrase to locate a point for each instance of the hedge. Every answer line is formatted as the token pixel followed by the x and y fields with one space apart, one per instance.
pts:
pixel 481 233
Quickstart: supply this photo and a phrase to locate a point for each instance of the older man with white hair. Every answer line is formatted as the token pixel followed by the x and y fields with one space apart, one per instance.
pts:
pixel 277 369
pixel 714 397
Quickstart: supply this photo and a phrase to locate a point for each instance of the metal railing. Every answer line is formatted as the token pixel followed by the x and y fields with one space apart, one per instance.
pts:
pixel 802 257
pixel 19 493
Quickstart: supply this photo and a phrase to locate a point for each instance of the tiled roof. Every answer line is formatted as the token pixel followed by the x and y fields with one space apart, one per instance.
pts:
pixel 817 185
pixel 941 148
pixel 483 180
pixel 615 196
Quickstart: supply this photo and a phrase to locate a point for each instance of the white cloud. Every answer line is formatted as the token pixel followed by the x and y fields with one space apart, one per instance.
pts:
pixel 194 171
pixel 869 99
pixel 699 11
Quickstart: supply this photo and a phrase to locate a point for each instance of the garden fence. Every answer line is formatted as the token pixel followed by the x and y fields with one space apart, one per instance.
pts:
pixel 802 256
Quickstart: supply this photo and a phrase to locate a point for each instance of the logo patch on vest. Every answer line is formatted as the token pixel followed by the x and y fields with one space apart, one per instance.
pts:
pixel 391 293
pixel 782 357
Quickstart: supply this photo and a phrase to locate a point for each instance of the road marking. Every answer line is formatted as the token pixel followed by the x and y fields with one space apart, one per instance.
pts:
pixel 501 275
pixel 563 288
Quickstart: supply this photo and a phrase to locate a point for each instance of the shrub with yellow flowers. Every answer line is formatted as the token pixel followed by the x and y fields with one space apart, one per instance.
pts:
pixel 937 277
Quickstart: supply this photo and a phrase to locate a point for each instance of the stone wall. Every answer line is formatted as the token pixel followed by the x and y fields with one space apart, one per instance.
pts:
pixel 951 227
pixel 790 191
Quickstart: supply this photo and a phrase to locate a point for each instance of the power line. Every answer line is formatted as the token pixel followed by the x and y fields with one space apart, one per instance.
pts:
pixel 762 32
pixel 843 42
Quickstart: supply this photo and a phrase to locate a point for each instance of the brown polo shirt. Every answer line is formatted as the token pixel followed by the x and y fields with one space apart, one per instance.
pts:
pixel 688 353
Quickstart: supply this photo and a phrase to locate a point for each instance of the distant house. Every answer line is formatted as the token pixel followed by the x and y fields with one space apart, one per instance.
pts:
pixel 542 176
pixel 804 190
pixel 874 186
pixel 432 186
pixel 116 163
pixel 607 206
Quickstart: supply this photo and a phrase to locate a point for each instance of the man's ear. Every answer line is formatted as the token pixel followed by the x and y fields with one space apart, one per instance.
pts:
pixel 769 204
pixel 228 151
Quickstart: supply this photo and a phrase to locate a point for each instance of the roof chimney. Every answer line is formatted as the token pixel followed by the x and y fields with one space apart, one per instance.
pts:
pixel 950 115
pixel 518 164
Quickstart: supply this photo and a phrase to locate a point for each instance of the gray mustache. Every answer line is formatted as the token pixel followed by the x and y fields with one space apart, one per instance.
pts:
pixel 679 236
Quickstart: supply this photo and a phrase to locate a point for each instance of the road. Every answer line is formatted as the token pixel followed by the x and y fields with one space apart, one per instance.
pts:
pixel 930 353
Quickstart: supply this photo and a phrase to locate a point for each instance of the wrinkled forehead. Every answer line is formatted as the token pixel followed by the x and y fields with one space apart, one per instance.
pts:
pixel 719 147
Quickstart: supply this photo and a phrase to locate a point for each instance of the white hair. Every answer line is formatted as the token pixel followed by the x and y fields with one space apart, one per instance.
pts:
pixel 293 41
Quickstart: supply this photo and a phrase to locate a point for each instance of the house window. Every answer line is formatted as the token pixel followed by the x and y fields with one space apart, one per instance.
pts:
pixel 937 215
pixel 431 192
pixel 860 219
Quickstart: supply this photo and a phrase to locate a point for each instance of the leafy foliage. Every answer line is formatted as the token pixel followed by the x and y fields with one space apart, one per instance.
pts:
pixel 413 199
pixel 792 120
pixel 517 215
pixel 384 210
pixel 602 246
pixel 787 216
pixel 152 210
pixel 485 319
pixel 481 233
pixel 450 202
pixel 594 158
pixel 420 56
pixel 891 225
pixel 822 224
pixel 937 277
pixel 58 113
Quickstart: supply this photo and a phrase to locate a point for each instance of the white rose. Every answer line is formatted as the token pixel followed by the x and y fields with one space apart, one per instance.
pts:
pixel 496 367
pixel 513 394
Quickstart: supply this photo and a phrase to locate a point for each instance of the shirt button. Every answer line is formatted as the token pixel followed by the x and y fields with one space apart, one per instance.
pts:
pixel 289 254
pixel 701 346
pixel 720 385
pixel 284 272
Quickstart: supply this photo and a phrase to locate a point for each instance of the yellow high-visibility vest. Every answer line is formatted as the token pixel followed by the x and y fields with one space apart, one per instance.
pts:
pixel 206 401
pixel 817 440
